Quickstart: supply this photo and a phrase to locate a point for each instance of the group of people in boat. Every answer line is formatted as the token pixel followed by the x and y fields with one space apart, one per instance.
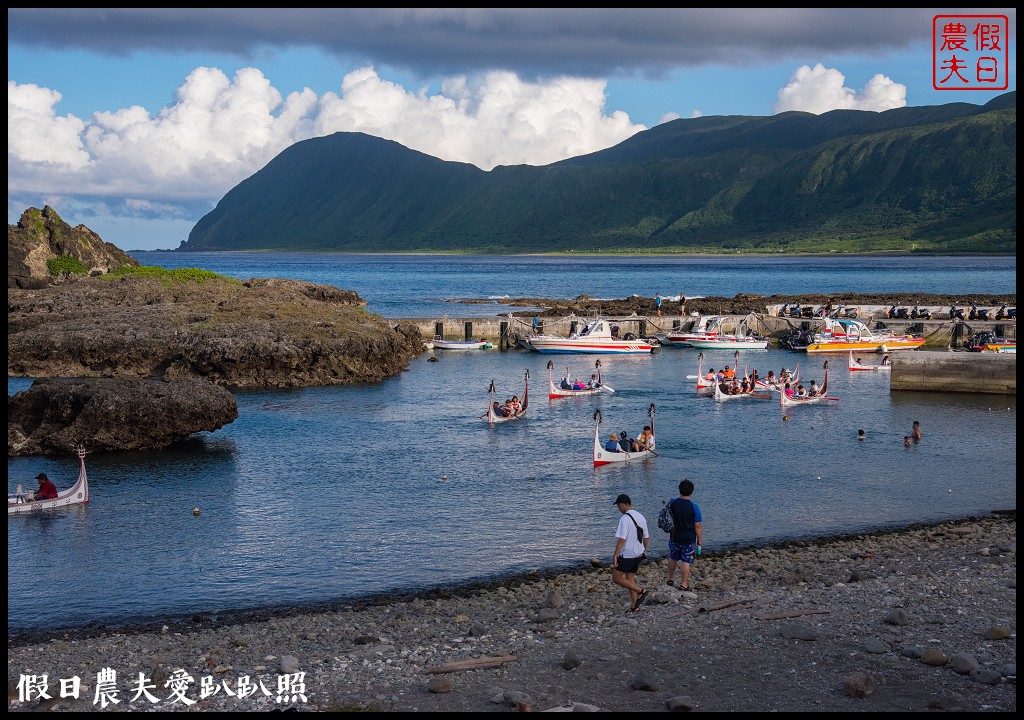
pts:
pixel 620 442
pixel 509 408
pixel 731 384
pixel 801 392
pixel 885 361
pixel 569 384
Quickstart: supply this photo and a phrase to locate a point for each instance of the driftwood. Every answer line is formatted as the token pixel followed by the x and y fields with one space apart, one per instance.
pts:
pixel 483 663
pixel 732 603
pixel 794 613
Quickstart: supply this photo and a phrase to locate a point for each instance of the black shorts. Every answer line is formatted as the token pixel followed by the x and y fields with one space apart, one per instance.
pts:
pixel 628 565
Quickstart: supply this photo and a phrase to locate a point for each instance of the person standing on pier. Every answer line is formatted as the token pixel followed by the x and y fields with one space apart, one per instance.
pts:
pixel 657 303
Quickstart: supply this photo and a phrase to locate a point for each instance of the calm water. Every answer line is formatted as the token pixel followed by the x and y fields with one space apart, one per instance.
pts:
pixel 327 494
pixel 417 286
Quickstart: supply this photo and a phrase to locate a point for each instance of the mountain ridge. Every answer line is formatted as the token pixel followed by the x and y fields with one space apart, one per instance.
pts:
pixel 938 179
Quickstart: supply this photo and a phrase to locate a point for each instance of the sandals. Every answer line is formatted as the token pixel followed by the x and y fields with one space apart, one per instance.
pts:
pixel 639 600
pixel 670 583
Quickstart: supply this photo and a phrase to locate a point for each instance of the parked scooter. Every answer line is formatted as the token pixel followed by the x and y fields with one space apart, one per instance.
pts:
pixel 921 314
pixel 1001 313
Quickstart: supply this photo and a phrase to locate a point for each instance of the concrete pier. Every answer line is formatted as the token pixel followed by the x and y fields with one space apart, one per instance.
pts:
pixel 972 372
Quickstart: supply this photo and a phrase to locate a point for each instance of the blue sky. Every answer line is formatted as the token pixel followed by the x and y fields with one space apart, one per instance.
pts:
pixel 135 122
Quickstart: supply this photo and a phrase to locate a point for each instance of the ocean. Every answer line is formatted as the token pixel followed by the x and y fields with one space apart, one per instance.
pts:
pixel 322 496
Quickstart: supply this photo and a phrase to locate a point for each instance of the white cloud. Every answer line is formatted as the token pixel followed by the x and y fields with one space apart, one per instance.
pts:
pixel 820 89
pixel 36 135
pixel 220 131
pixel 497 119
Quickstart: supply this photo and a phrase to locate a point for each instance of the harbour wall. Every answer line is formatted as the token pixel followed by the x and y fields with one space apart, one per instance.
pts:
pixel 939 371
pixel 505 331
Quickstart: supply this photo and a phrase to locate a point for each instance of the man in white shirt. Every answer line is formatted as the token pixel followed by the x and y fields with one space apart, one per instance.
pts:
pixel 631 538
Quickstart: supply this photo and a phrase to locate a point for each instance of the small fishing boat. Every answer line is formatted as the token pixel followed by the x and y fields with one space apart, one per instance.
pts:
pixel 841 335
pixel 442 344
pixel 708 326
pixel 606 457
pixel 731 342
pixel 496 414
pixel 988 341
pixel 859 364
pixel 578 388
pixel 595 337
pixel 77 494
pixel 822 395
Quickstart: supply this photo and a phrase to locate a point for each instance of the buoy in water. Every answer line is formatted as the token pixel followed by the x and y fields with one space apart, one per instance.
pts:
pixel 444 477
pixel 195 511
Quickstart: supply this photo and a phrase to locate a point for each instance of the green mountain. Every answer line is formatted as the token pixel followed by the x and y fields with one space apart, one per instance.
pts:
pixel 928 179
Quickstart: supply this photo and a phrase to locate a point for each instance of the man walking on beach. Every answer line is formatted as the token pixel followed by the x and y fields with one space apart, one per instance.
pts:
pixel 685 541
pixel 631 538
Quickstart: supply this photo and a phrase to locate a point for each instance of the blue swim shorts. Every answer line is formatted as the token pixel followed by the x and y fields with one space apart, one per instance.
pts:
pixel 684 552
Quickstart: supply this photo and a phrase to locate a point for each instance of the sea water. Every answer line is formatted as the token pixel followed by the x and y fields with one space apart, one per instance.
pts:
pixel 324 495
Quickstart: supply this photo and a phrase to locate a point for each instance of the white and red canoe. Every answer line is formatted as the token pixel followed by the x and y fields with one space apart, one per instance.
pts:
pixel 777 383
pixel 594 386
pixel 821 397
pixel 77 494
pixel 606 457
pixel 721 396
pixel 858 364
pixel 494 416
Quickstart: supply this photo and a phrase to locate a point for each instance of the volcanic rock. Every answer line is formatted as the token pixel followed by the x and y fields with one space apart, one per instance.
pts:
pixel 59 414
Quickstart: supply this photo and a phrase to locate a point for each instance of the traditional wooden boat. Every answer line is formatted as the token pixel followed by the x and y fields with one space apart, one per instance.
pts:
pixel 777 383
pixel 495 416
pixel 77 494
pixel 842 335
pixel 722 396
pixel 858 364
pixel 595 337
pixel 441 344
pixel 822 395
pixel 592 387
pixel 704 386
pixel 606 457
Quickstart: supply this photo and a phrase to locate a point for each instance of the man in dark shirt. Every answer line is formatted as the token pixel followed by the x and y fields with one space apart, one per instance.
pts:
pixel 47 490
pixel 685 541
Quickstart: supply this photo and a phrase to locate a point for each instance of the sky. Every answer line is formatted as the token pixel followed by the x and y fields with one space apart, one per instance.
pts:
pixel 136 122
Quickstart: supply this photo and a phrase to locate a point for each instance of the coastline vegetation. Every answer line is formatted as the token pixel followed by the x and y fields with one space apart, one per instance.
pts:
pixel 66 266
pixel 177 275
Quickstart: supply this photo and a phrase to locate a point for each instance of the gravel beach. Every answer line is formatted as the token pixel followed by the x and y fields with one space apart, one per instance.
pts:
pixel 915 619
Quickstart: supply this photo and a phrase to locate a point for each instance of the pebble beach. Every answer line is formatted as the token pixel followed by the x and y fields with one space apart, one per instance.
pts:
pixel 915 619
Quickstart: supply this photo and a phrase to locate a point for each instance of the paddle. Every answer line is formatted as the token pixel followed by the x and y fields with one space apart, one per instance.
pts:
pixel 609 388
pixel 693 377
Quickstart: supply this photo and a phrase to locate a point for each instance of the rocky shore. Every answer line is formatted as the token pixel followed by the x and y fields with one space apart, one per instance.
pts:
pixel 915 619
